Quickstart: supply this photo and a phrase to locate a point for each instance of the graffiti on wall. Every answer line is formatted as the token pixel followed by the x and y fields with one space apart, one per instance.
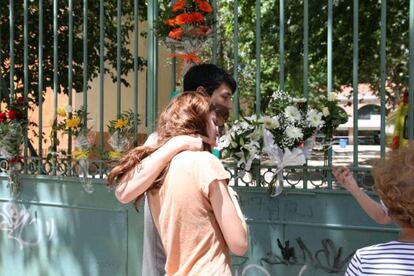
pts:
pixel 24 228
pixel 329 258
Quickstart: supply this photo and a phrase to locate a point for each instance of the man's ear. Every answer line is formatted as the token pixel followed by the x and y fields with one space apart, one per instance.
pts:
pixel 201 89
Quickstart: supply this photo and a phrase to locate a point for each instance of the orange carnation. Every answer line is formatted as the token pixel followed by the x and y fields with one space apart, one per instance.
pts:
pixel 205 6
pixel 182 19
pixel 180 5
pixel 196 17
pixel 176 33
pixel 171 22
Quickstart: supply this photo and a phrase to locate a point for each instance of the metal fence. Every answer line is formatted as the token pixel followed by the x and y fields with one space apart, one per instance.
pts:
pixel 63 45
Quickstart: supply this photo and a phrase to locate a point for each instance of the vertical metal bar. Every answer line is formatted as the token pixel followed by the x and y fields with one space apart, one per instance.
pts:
pixel 101 75
pixel 355 61
pixel 70 68
pixel 26 77
pixel 11 20
pixel 55 58
pixel 305 48
pixel 236 99
pixel 258 41
pixel 329 79
pixel 55 75
pixel 155 66
pixel 40 86
pixel 151 67
pixel 136 34
pixel 214 54
pixel 282 44
pixel 305 71
pixel 25 51
pixel 174 66
pixel 118 58
pixel 0 50
pixel 411 72
pixel 329 50
pixel 85 58
pixel 383 69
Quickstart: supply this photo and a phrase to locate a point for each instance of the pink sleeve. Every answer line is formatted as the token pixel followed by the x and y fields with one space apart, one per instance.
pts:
pixel 210 169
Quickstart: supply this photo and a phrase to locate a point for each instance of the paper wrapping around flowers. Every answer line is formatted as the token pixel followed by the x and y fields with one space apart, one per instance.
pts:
pixel 119 142
pixel 11 141
pixel 286 157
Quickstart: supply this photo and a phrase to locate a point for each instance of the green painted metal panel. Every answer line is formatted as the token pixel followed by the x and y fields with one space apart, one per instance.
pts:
pixel 61 230
pixel 75 233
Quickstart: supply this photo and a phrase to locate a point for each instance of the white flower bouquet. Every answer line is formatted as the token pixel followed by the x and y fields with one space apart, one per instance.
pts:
pixel 333 116
pixel 243 141
pixel 294 120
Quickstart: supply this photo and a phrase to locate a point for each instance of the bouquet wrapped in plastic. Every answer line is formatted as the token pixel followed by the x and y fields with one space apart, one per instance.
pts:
pixel 121 133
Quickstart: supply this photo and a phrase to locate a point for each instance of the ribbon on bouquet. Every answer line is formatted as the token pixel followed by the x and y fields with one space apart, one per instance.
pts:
pixel 285 157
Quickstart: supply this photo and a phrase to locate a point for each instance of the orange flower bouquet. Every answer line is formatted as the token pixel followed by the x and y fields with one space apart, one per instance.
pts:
pixel 185 27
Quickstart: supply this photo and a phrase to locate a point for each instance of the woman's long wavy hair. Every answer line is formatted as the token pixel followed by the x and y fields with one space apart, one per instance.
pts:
pixel 187 114
pixel 394 183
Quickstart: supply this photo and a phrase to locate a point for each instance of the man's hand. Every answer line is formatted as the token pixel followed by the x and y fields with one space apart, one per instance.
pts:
pixel 345 178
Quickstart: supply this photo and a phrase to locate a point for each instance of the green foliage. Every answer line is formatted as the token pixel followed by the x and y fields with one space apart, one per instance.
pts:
pixel 110 56
pixel 72 122
pixel 368 37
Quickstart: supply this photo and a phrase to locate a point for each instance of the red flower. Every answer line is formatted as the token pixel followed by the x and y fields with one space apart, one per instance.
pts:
pixel 3 117
pixel 182 19
pixel 205 6
pixel 180 5
pixel 196 17
pixel 171 22
pixel 12 114
pixel 176 33
pixel 20 100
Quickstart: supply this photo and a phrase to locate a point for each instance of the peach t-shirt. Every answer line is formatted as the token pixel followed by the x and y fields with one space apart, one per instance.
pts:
pixel 183 215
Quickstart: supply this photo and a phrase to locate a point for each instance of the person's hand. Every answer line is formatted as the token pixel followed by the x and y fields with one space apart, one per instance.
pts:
pixel 187 142
pixel 345 178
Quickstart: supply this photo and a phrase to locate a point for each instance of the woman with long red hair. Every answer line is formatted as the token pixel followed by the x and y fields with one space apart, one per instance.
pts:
pixel 197 219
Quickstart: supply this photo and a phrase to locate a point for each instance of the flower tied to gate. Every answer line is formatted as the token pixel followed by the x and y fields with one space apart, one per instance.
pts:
pixel 113 154
pixel 121 133
pixel 120 123
pixel 185 27
pixel 13 122
pixel 80 154
pixel 73 123
pixel 3 117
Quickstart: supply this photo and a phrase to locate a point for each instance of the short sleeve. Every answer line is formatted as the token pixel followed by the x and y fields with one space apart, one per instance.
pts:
pixel 151 140
pixel 384 207
pixel 210 169
pixel 354 266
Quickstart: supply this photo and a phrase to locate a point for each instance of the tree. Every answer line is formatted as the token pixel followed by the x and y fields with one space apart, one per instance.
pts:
pixel 110 56
pixel 369 46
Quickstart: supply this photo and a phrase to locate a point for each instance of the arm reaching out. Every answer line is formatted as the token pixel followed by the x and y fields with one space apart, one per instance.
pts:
pixel 373 209
pixel 138 180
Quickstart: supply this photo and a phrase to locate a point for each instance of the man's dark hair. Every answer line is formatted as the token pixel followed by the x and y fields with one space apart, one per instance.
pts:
pixel 208 76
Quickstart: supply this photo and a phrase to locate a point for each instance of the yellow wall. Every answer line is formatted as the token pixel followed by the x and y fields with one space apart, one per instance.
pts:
pixel 110 96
